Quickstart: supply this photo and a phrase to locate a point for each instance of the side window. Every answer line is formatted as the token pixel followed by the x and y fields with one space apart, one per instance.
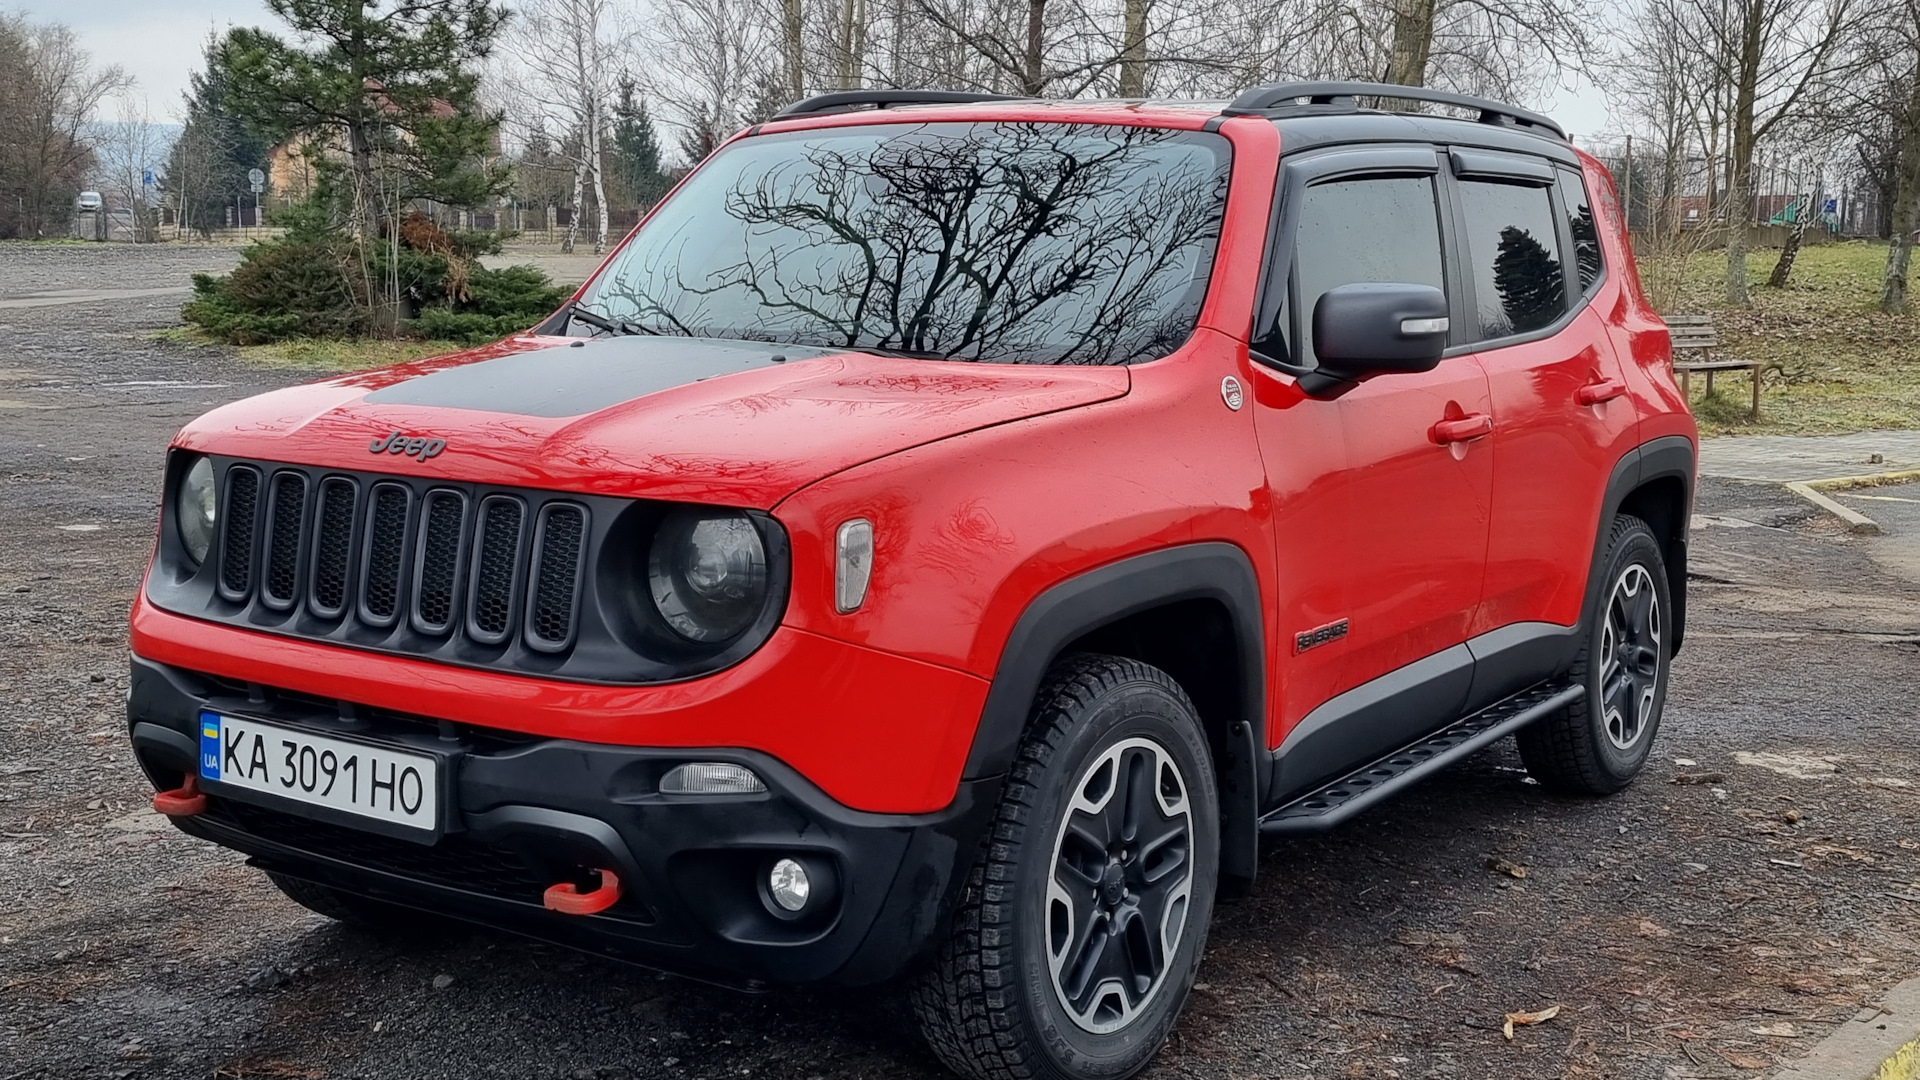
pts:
pixel 1513 248
pixel 1586 235
pixel 1376 229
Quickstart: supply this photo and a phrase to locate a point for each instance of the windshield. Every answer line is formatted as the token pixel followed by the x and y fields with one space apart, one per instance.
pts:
pixel 1028 243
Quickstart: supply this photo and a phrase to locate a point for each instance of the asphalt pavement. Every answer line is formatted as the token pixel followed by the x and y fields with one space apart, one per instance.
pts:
pixel 1756 890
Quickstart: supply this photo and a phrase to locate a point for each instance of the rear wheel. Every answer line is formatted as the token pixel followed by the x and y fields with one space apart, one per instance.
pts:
pixel 1599 744
pixel 1086 911
pixel 345 907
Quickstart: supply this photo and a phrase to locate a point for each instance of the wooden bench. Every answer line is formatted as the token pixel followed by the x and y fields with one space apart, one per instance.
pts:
pixel 1694 334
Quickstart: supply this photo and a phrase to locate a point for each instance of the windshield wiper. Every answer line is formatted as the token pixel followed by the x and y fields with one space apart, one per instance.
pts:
pixel 585 314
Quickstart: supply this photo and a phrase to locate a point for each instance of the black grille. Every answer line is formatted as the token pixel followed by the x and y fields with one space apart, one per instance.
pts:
pixel 333 547
pixel 289 519
pixel 386 553
pixel 497 555
pixel 236 540
pixel 438 561
pixel 556 579
pixel 464 573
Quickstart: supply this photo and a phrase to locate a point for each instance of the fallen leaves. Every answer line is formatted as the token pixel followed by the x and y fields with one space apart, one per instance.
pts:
pixel 1698 778
pixel 1777 1031
pixel 1741 1061
pixel 1526 1019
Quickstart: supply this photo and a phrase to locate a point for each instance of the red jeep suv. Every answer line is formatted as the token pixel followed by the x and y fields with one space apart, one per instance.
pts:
pixel 939 543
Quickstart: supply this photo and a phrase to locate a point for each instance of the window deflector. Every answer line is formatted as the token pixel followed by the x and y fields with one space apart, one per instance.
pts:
pixel 1276 279
pixel 1508 168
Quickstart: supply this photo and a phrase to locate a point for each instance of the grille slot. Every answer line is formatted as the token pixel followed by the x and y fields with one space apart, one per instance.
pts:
pixel 332 547
pixel 242 505
pixel 470 574
pixel 552 610
pixel 498 550
pixel 440 560
pixel 389 506
pixel 287 520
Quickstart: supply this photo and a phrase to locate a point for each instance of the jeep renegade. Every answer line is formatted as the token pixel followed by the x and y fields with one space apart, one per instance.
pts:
pixel 939 543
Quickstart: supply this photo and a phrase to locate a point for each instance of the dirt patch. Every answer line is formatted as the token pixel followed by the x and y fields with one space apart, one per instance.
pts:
pixel 1703 929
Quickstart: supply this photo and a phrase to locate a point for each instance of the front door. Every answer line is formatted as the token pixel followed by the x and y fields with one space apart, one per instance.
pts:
pixel 1413 470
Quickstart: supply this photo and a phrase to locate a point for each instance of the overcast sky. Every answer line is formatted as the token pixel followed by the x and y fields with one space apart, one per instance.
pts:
pixel 159 41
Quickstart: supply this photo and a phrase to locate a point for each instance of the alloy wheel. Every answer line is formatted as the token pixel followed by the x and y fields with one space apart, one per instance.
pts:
pixel 1120 885
pixel 1630 649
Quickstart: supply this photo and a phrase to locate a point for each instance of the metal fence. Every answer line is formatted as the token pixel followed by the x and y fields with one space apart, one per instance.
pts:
pixel 1667 193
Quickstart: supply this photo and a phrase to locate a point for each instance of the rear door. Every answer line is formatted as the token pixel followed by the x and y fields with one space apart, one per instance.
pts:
pixel 1561 415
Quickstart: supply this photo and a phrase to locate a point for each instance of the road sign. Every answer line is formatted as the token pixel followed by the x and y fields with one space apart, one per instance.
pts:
pixel 258 179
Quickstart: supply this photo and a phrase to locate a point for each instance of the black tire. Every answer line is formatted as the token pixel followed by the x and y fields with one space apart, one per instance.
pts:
pixel 1599 744
pixel 363 912
pixel 995 1003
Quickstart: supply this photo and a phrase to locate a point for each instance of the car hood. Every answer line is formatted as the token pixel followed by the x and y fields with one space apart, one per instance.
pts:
pixel 697 419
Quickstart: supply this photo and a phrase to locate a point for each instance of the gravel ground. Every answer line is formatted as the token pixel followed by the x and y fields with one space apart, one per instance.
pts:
pixel 1760 884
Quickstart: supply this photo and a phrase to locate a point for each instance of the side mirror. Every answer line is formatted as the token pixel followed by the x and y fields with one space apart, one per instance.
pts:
pixel 1373 328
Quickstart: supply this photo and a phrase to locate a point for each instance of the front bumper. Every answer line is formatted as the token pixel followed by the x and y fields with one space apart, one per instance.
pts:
pixel 530 811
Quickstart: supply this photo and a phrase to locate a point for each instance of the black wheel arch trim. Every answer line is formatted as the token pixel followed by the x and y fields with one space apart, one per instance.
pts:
pixel 1071 609
pixel 1667 457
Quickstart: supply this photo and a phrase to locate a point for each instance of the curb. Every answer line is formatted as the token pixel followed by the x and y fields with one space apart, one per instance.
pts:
pixel 1856 522
pixel 1881 1043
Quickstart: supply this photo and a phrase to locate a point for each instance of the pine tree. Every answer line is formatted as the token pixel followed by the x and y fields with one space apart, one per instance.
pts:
pixel 636 148
pixel 1528 280
pixel 395 92
pixel 207 169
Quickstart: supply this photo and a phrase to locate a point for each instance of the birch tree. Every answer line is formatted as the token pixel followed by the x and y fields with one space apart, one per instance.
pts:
pixel 572 51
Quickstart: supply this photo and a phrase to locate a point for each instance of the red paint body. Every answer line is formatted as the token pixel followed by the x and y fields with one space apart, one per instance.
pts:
pixel 986 484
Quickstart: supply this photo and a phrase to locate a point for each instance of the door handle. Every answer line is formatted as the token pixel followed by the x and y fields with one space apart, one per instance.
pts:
pixel 1595 393
pixel 1465 429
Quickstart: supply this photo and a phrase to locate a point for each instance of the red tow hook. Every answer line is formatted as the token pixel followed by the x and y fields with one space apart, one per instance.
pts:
pixel 567 899
pixel 183 801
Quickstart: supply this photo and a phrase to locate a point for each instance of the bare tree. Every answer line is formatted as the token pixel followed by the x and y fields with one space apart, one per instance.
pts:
pixel 132 155
pixel 1769 58
pixel 714 64
pixel 50 91
pixel 1888 97
pixel 571 51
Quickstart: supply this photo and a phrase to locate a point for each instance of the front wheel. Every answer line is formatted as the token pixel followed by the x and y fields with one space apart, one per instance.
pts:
pixel 1086 911
pixel 1599 743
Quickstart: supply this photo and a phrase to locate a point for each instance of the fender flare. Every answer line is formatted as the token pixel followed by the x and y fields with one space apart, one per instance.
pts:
pixel 1088 601
pixel 1667 456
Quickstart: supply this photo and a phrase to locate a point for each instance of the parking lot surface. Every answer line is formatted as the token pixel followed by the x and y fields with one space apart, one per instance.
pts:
pixel 1757 887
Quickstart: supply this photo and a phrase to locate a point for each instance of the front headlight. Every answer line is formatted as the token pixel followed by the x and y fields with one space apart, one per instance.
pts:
pixel 708 574
pixel 194 509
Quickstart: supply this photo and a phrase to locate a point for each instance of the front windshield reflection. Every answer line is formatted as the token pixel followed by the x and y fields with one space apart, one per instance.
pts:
pixel 1032 243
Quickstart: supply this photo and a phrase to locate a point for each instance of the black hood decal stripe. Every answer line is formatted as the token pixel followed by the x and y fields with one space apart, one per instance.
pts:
pixel 585 377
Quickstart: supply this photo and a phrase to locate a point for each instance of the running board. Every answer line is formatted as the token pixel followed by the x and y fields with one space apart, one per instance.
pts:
pixel 1331 804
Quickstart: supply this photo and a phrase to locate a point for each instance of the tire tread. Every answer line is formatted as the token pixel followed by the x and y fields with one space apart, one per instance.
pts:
pixel 965 1002
pixel 1559 750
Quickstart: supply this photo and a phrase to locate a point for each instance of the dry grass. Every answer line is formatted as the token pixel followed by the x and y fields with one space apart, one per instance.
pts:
pixel 1834 363
pixel 320 356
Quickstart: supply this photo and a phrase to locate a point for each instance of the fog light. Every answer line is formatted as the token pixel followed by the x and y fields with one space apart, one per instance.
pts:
pixel 788 885
pixel 711 778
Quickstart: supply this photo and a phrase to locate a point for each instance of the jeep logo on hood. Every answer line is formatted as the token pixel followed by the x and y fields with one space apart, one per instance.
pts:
pixel 414 446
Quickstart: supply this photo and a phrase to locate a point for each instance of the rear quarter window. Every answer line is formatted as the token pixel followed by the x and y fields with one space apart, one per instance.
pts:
pixel 1513 256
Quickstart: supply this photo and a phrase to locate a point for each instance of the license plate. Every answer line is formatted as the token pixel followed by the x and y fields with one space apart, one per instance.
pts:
pixel 354 778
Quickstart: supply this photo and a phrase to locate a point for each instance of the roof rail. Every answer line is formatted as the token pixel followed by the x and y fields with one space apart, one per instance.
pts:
pixel 881 99
pixel 1275 97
